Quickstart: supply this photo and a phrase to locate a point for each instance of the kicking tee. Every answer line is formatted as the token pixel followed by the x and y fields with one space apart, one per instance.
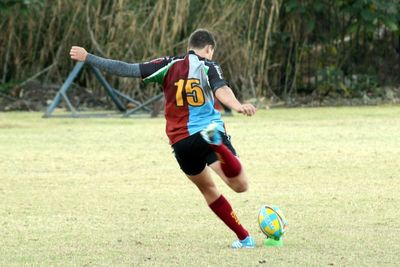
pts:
pixel 189 83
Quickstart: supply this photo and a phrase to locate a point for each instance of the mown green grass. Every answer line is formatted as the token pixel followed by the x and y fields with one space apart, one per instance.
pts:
pixel 104 192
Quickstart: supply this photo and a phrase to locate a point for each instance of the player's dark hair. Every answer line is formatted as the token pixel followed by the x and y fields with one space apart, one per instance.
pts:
pixel 200 38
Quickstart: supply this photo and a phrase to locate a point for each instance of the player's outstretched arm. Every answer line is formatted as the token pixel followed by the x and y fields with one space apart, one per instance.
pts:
pixel 226 96
pixel 115 67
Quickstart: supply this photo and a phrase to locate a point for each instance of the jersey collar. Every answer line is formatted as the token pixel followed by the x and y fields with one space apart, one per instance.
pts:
pixel 191 52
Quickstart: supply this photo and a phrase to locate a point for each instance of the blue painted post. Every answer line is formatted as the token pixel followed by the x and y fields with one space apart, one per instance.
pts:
pixel 109 89
pixel 148 102
pixel 56 101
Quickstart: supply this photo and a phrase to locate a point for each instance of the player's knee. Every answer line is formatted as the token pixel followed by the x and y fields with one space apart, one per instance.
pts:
pixel 241 187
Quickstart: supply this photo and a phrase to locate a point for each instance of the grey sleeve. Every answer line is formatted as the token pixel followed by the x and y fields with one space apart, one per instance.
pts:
pixel 115 67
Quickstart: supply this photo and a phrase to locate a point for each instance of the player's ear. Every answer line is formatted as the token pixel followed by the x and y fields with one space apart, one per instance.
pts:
pixel 210 51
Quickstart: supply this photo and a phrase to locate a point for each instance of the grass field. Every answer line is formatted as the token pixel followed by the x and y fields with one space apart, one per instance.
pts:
pixel 108 192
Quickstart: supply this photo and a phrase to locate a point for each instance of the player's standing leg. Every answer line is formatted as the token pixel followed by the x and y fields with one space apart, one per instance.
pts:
pixel 221 207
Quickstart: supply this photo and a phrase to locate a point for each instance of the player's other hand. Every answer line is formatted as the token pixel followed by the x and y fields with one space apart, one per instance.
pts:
pixel 78 53
pixel 247 109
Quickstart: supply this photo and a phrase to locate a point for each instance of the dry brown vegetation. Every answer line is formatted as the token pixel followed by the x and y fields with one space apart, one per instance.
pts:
pixel 274 48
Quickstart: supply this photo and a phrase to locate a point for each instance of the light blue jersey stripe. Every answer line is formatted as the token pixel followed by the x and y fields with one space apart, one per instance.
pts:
pixel 201 117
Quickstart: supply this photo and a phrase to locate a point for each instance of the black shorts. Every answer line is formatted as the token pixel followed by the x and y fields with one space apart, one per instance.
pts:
pixel 193 153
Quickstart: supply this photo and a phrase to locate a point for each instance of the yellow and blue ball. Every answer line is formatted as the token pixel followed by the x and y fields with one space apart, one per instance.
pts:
pixel 272 221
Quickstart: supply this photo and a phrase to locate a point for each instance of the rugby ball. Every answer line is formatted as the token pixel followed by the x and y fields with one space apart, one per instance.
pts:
pixel 272 221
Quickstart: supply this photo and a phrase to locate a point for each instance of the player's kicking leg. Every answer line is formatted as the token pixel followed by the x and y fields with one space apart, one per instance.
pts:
pixel 228 166
pixel 239 183
pixel 221 207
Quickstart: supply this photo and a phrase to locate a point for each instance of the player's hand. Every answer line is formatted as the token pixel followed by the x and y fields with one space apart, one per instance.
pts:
pixel 247 109
pixel 78 53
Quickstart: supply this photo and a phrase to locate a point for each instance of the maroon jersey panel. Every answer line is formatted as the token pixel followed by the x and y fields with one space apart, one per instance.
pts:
pixel 177 116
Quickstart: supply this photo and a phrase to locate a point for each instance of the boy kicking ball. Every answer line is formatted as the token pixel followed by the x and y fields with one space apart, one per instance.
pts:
pixel 194 127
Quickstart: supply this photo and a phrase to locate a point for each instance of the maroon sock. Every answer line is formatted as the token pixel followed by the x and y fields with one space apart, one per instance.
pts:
pixel 230 165
pixel 223 210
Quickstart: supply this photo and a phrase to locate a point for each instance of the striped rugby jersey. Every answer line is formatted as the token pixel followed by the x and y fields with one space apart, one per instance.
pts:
pixel 189 83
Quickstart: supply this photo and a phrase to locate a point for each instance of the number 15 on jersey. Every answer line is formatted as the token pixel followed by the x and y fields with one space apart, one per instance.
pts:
pixel 194 93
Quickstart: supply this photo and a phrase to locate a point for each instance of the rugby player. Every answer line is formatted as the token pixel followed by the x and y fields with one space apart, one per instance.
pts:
pixel 194 127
